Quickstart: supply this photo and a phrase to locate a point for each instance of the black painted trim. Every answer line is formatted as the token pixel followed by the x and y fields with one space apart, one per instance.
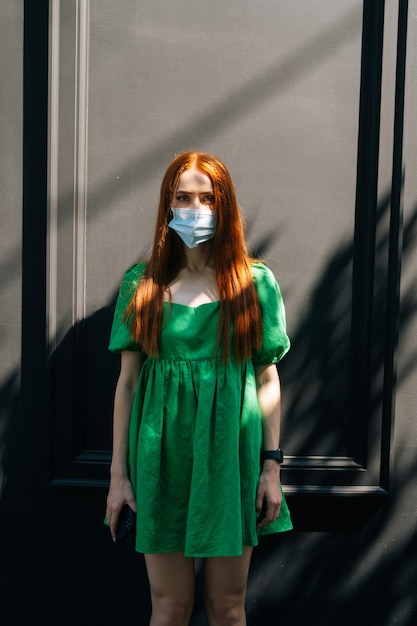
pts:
pixel 365 226
pixel 395 250
pixel 34 230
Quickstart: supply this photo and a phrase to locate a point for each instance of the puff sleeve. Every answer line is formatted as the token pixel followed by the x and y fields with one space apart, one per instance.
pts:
pixel 275 341
pixel 120 338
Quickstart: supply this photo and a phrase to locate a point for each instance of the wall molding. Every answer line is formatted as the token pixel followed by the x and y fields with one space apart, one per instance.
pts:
pixel 365 470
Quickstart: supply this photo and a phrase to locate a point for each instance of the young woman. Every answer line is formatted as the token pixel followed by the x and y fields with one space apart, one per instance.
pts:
pixel 200 327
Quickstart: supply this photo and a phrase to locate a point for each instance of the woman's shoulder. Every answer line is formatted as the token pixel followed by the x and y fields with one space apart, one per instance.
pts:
pixel 135 272
pixel 261 273
pixel 131 279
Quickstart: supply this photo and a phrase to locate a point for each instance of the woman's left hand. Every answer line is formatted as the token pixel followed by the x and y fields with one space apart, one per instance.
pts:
pixel 268 495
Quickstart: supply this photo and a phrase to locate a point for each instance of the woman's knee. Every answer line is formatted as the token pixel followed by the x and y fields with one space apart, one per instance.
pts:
pixel 170 612
pixel 226 610
pixel 225 588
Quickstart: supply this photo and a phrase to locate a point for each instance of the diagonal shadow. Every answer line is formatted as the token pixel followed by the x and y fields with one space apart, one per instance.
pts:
pixel 316 417
pixel 236 105
pixel 374 568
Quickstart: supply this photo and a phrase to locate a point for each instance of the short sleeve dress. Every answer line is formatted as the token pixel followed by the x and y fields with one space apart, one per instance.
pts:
pixel 195 436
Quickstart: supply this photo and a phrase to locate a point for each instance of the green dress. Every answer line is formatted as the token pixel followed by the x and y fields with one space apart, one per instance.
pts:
pixel 195 432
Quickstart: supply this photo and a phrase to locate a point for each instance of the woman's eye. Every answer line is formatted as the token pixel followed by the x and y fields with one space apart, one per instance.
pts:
pixel 182 198
pixel 209 199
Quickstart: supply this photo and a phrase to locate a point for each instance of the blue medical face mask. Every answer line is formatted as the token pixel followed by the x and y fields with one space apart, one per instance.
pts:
pixel 194 226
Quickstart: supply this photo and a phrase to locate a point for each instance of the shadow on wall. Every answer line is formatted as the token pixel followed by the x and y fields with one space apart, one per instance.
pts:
pixel 210 122
pixel 367 577
pixel 316 375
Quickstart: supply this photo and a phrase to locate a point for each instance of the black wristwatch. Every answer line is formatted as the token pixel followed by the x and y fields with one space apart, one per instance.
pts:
pixel 276 455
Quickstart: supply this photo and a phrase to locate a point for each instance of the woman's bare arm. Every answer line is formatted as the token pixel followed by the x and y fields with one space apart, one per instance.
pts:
pixel 120 491
pixel 269 497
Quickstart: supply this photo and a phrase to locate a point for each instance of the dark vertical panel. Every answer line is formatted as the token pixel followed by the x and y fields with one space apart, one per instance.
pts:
pixel 395 241
pixel 365 225
pixel 35 133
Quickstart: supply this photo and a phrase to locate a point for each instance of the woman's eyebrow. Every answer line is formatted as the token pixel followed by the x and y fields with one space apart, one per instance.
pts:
pixel 209 191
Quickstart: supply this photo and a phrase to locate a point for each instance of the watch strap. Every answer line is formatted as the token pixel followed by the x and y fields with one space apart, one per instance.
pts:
pixel 277 455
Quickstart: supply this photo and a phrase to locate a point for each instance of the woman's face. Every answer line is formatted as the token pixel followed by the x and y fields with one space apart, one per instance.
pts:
pixel 194 191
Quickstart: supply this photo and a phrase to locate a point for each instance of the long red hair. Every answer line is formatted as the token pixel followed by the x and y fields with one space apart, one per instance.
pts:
pixel 239 303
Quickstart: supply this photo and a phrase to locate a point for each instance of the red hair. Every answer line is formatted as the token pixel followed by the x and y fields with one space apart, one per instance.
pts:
pixel 239 303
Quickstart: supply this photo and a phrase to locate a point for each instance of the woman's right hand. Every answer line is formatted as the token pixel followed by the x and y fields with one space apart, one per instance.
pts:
pixel 120 493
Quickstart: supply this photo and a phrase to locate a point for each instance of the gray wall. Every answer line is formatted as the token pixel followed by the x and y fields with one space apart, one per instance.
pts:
pixel 274 89
pixel 11 121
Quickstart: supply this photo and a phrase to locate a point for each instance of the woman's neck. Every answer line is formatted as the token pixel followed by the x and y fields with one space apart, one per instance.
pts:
pixel 200 258
pixel 196 282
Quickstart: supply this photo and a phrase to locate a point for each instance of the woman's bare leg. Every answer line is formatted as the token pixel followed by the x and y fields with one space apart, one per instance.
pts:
pixel 171 580
pixel 225 589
